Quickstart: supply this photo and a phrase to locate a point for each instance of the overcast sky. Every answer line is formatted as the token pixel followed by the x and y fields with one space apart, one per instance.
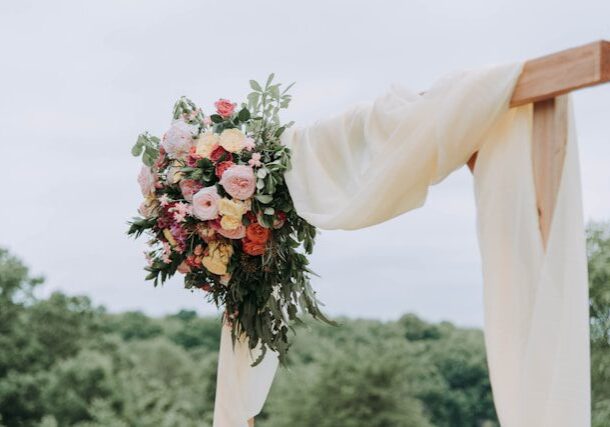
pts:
pixel 80 79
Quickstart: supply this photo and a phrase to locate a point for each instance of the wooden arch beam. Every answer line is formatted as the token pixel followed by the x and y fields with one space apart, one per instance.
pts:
pixel 544 82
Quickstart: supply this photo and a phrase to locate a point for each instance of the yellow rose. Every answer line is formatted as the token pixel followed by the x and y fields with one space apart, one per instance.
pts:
pixel 169 237
pixel 229 222
pixel 218 257
pixel 206 143
pixel 234 208
pixel 232 140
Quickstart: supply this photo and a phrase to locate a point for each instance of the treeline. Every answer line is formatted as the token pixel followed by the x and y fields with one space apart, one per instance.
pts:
pixel 65 362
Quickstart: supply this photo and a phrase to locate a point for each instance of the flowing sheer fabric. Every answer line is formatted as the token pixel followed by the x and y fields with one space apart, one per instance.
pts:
pixel 376 161
pixel 241 389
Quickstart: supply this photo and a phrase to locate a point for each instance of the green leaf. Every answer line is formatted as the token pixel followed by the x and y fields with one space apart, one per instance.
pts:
pixel 216 118
pixel 264 198
pixel 244 115
pixel 255 86
pixel 269 79
pixel 137 149
pixel 275 91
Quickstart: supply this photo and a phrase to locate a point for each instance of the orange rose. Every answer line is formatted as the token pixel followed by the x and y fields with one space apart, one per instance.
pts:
pixel 256 233
pixel 253 248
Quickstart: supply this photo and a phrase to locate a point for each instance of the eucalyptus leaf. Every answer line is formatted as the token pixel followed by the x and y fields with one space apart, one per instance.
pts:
pixel 264 198
pixel 255 86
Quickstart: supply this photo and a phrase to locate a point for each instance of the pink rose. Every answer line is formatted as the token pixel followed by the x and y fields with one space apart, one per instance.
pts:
pixel 205 203
pixel 238 233
pixel 146 179
pixel 178 140
pixel 224 107
pixel 189 187
pixel 239 181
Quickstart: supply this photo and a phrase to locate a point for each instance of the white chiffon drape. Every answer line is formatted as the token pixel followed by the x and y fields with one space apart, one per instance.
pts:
pixel 376 161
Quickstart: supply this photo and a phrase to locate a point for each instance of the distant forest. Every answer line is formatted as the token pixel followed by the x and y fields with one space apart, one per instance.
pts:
pixel 67 363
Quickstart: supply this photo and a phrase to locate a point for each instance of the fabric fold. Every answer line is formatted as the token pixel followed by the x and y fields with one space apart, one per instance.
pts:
pixel 376 161
pixel 241 389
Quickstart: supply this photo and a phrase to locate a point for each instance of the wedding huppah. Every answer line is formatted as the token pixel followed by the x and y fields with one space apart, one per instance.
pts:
pixel 232 201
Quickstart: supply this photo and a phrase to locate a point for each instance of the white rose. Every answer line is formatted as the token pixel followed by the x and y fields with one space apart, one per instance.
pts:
pixel 178 140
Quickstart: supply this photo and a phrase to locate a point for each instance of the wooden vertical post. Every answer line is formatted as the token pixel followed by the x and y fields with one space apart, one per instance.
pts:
pixel 549 139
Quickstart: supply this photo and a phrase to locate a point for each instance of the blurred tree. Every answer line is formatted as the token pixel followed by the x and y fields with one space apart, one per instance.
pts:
pixel 355 385
pixel 598 251
pixel 133 325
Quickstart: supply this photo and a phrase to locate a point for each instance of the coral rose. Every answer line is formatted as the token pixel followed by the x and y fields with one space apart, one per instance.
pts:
pixel 223 166
pixel 224 107
pixel 256 233
pixel 252 248
pixel 232 140
pixel 205 203
pixel 239 181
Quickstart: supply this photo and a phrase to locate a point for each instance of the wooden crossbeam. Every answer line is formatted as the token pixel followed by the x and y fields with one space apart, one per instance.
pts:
pixel 562 72
pixel 543 82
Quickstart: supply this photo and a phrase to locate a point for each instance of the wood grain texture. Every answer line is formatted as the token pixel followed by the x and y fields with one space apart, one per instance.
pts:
pixel 550 136
pixel 562 72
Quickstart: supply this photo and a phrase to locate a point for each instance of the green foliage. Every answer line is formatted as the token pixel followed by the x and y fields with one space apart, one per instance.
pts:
pixel 598 251
pixel 66 363
pixel 148 147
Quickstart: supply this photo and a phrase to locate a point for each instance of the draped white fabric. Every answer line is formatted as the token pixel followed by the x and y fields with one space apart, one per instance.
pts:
pixel 241 389
pixel 376 161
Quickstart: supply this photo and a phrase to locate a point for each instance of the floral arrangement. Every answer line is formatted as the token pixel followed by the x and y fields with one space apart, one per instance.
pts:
pixel 217 210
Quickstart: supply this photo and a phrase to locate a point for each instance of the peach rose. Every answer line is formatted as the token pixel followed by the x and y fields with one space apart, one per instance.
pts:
pixel 239 181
